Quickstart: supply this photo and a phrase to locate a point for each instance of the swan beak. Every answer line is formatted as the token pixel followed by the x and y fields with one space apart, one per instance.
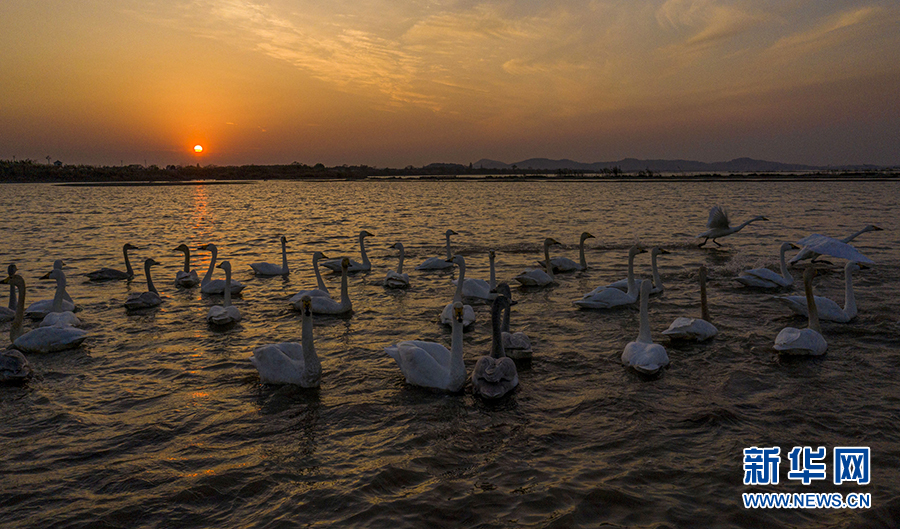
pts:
pixel 863 266
pixel 45 276
pixel 6 281
pixel 663 252
pixel 794 246
pixel 876 228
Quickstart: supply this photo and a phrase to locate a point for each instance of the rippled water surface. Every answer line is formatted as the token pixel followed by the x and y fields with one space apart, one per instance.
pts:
pixel 160 421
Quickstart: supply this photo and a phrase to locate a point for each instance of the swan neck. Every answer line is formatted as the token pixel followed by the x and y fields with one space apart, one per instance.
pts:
pixel 644 333
pixel 12 297
pixel 811 305
pixel 227 292
pixel 187 261
pixel 457 364
pixel 581 257
pixel 284 265
pixel 212 266
pixel 631 283
pixel 505 326
pixel 849 296
pixel 319 281
pixel 493 275
pixel 855 235
pixel 785 273
pixel 311 367
pixel 704 307
pixel 657 280
pixel 128 269
pixel 449 254
pixel 345 295
pixel 547 265
pixel 362 250
pixel 60 294
pixel 497 332
pixel 150 287
pixel 457 296
pixel 15 330
pixel 400 262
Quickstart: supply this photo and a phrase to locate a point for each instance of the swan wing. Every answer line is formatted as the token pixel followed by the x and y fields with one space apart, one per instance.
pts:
pixel 534 278
pixel 277 367
pixel 50 339
pixel 477 288
pixel 187 279
pixel 395 280
pixel 800 342
pixel 105 274
pixel 718 219
pixel 39 309
pixel 14 367
pixel 606 298
pixel 434 263
pixel 268 269
pixel 425 364
pixel 493 378
pixel 325 305
pixel 645 357
pixel 61 319
pixel 690 329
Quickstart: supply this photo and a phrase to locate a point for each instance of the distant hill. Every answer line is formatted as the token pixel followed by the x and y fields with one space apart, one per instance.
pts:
pixel 633 165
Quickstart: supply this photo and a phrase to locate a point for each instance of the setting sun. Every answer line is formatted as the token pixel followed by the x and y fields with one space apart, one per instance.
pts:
pixel 198 149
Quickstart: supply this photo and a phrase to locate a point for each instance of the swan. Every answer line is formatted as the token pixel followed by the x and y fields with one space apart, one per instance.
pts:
pixel 269 269
pixel 495 375
pixel 320 290
pixel 719 226
pixel 107 274
pixel 479 288
pixel 430 364
pixel 539 278
pixel 40 309
pixel 14 367
pixel 696 329
pixel 468 311
pixel 439 263
pixel 806 253
pixel 326 305
pixel 41 339
pixel 144 300
pixel 642 354
pixel 397 279
pixel 216 286
pixel 828 309
pixel 335 265
pixel 226 313
pixel 58 316
pixel 516 345
pixel 186 278
pixel 564 264
pixel 605 298
pixel 808 341
pixel 658 287
pixel 765 278
pixel 291 362
pixel 6 314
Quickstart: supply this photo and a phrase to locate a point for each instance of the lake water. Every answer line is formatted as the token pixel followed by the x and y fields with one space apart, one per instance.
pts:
pixel 160 421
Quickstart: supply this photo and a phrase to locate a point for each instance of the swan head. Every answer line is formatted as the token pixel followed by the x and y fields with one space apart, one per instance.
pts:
pixel 785 246
pixel 854 266
pixel 11 270
pixel 56 273
pixel 306 305
pixel 224 265
pixel 550 241
pixel 500 304
pixel 758 217
pixel 365 233
pixel 658 251
pixel 448 233
pixel 319 255
pixel 871 227
pixel 457 260
pixel 129 246
pixel 283 240
pixel 397 246
pixel 182 248
pixel 208 247
pixel 586 235
pixel 151 262
pixel 492 254
pixel 345 263
pixel 458 311
pixel 504 290
pixel 703 271
pixel 634 250
pixel 58 264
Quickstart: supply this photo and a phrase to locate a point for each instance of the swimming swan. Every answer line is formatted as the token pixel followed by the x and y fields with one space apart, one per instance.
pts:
pixel 6 314
pixel 696 329
pixel 468 311
pixel 606 298
pixel 536 277
pixel 335 264
pixel 58 315
pixel 765 278
pixel 430 364
pixel 320 290
pixel 41 339
pixel 216 286
pixel 495 375
pixel 808 341
pixel 148 299
pixel 479 288
pixel 40 309
pixel 719 226
pixel 658 287
pixel 828 309
pixel 326 305
pixel 564 264
pixel 806 253
pixel 439 263
pixel 186 278
pixel 642 354
pixel 397 279
pixel 291 362
pixel 107 274
pixel 224 314
pixel 516 345
pixel 269 269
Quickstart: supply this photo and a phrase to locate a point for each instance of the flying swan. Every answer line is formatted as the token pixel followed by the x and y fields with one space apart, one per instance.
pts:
pixel 806 253
pixel 719 226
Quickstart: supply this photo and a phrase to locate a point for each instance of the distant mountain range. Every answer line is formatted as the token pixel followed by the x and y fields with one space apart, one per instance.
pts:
pixel 633 165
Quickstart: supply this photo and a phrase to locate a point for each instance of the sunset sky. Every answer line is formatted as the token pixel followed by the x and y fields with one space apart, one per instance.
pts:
pixel 387 83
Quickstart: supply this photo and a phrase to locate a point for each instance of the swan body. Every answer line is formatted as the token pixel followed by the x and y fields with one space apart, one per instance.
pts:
pixel 564 264
pixel 148 299
pixel 109 274
pixel 186 278
pixel 536 277
pixel 41 339
pixel 516 345
pixel 216 286
pixel 291 362
pixel 8 313
pixel 694 329
pixel 642 354
pixel 336 266
pixel 479 288
pixel 430 364
pixel 40 309
pixel 58 316
pixel 495 375
pixel 808 341
pixel 320 290
pixel 765 278
pixel 397 279
pixel 607 298
pixel 226 314
pixel 269 269
pixel 439 263
pixel 468 311
pixel 718 225
pixel 657 285
pixel 806 253
pixel 14 367
pixel 828 309
pixel 326 305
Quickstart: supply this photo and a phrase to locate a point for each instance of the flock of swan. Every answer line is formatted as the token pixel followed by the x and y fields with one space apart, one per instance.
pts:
pixel 430 364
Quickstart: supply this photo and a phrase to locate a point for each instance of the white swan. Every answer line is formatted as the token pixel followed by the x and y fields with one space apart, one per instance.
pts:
pixel 107 274
pixel 224 314
pixel 479 288
pixel 397 279
pixel 806 253
pixel 269 269
pixel 40 309
pixel 336 266
pixel 291 362
pixel 765 278
pixel 828 309
pixel 148 299
pixel 564 264
pixel 642 354
pixel 606 298
pixel 326 305
pixel 516 345
pixel 658 286
pixel 186 278
pixel 216 286
pixel 7 314
pixel 320 290
pixel 58 315
pixel 439 263
pixel 430 364
pixel 808 341
pixel 696 329
pixel 41 339
pixel 468 311
pixel 495 375
pixel 539 278
pixel 14 367
pixel 719 226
